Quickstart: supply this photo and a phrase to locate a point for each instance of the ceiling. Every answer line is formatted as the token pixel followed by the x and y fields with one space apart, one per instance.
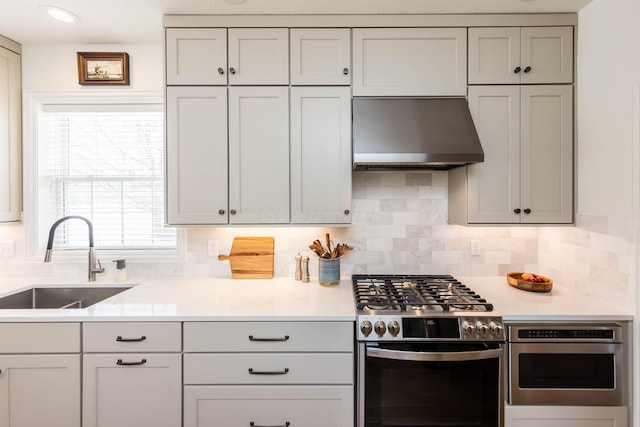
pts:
pixel 140 21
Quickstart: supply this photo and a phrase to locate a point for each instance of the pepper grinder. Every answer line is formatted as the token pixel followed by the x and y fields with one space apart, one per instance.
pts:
pixel 298 267
pixel 305 269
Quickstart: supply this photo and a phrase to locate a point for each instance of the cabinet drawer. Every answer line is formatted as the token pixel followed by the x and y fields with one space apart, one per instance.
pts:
pixel 268 406
pixel 268 368
pixel 268 336
pixel 131 336
pixel 40 337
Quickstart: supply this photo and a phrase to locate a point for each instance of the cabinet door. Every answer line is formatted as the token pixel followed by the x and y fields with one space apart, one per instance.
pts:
pixel 258 56
pixel 196 56
pixel 233 406
pixel 548 51
pixel 258 155
pixel 410 61
pixel 320 56
pixel 494 186
pixel 547 154
pixel 139 394
pixel 197 158
pixel 321 155
pixel 10 137
pixel 494 55
pixel 566 416
pixel 40 390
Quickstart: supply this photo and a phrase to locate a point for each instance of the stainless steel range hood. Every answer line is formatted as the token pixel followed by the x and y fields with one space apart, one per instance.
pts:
pixel 413 133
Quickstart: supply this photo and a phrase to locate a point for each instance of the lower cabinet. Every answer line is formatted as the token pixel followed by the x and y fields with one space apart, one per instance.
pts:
pixel 40 390
pixel 243 406
pixel 131 390
pixel 566 416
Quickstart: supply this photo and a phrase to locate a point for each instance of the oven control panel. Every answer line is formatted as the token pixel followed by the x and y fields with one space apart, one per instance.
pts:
pixel 453 328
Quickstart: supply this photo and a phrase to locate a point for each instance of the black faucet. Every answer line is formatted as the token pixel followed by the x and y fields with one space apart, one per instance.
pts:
pixel 94 263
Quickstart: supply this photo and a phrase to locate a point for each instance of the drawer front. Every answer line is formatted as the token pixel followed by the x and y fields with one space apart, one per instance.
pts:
pixel 131 337
pixel 39 338
pixel 268 406
pixel 269 336
pixel 268 368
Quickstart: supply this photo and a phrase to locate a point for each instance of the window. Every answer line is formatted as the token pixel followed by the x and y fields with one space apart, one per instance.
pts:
pixel 103 161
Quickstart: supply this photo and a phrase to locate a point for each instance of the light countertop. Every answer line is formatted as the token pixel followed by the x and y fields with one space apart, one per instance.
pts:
pixel 284 299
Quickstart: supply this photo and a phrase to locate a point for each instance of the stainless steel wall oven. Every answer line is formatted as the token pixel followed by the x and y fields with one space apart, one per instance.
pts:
pixel 430 353
pixel 579 364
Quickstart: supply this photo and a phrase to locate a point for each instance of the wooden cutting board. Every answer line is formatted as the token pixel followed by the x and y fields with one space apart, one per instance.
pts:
pixel 251 258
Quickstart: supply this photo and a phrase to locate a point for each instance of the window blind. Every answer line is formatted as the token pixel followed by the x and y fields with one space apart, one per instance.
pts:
pixel 105 162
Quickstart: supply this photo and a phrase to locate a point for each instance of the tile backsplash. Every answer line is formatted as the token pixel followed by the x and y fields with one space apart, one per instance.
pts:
pixel 399 226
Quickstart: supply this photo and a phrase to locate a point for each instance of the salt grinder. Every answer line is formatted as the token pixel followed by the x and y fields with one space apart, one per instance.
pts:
pixel 298 267
pixel 305 269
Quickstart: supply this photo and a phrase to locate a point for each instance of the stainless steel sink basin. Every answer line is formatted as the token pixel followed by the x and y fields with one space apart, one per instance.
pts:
pixel 58 297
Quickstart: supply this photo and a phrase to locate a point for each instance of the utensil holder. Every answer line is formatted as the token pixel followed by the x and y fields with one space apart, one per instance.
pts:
pixel 329 271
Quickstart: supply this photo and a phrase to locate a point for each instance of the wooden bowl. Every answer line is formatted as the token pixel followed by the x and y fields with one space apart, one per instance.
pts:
pixel 515 280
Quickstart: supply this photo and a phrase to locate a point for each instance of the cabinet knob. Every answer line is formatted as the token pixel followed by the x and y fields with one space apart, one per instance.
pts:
pixel 527 211
pixel 232 211
pixel 527 69
pixel 220 70
pixel 347 211
pixel 232 70
pixel 517 70
pixel 221 212
pixel 345 71
pixel 517 210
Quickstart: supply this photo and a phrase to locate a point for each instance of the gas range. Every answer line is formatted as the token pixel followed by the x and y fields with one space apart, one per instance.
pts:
pixel 422 308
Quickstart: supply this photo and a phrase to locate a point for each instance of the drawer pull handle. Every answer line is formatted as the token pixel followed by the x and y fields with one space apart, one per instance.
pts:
pixel 252 338
pixel 119 338
pixel 252 372
pixel 121 363
pixel 286 424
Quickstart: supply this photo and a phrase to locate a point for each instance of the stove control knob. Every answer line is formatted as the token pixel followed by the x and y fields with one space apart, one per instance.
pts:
pixel 468 329
pixel 394 328
pixel 366 328
pixel 380 328
pixel 496 329
pixel 482 328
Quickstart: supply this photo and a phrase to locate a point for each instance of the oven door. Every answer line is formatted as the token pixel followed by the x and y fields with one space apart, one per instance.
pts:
pixel 435 385
pixel 566 374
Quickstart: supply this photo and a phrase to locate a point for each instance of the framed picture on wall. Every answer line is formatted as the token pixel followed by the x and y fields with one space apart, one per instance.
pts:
pixel 103 68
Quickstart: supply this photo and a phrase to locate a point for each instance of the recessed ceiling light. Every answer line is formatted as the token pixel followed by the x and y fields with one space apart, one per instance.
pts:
pixel 60 14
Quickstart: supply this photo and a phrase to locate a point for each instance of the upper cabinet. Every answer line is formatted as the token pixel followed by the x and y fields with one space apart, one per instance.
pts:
pixel 320 56
pixel 10 136
pixel 244 56
pixel 528 55
pixel 410 62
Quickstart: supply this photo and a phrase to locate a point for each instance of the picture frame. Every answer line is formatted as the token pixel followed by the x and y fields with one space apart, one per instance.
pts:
pixel 103 68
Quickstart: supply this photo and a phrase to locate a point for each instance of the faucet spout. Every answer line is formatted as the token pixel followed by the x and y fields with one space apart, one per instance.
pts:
pixel 94 263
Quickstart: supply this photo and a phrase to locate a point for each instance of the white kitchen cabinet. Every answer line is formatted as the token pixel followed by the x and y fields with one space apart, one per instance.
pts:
pixel 258 155
pixel 258 56
pixel 320 56
pixel 123 387
pixel 321 161
pixel 240 406
pixel 409 62
pixel 528 55
pixel 268 374
pixel 40 375
pixel 10 136
pixel 196 56
pixel 527 176
pixel 566 416
pixel 197 155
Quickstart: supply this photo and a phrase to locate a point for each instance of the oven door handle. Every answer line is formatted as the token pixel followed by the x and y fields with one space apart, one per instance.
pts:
pixel 419 356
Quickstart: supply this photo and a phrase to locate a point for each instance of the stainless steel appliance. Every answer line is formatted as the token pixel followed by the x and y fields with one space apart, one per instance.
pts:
pixel 430 353
pixel 578 364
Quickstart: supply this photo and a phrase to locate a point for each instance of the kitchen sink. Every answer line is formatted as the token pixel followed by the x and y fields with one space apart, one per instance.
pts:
pixel 58 297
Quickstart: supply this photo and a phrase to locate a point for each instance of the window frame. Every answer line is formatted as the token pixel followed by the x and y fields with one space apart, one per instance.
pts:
pixel 34 105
